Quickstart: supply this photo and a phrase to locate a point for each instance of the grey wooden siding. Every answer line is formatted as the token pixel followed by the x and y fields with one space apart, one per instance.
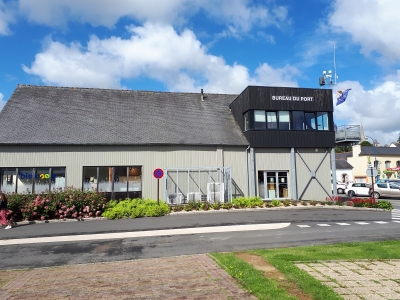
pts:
pixel 314 191
pixel 149 157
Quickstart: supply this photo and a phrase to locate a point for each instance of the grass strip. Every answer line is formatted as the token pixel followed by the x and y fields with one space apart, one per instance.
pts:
pixel 284 260
pixel 250 278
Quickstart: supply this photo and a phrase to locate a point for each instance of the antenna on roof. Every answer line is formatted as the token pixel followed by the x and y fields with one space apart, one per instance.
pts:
pixel 322 80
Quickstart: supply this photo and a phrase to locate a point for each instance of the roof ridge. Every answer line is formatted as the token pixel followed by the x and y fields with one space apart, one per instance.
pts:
pixel 122 90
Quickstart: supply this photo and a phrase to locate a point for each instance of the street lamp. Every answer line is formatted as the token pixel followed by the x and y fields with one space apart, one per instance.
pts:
pixel 375 166
pixel 373 144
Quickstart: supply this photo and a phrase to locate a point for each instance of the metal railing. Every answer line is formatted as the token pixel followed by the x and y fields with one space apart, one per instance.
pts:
pixel 348 133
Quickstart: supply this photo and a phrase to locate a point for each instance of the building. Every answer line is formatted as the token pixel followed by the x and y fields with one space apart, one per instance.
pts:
pixel 274 142
pixel 385 159
pixel 344 170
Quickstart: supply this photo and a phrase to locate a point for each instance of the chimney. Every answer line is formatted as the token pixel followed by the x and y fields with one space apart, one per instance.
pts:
pixel 202 95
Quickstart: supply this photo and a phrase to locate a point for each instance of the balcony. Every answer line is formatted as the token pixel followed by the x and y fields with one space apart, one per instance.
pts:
pixel 348 134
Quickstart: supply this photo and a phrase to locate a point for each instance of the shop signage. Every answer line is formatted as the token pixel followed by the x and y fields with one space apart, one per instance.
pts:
pixel 292 98
pixel 37 176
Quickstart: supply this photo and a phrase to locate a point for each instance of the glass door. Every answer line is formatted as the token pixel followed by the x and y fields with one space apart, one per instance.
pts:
pixel 273 184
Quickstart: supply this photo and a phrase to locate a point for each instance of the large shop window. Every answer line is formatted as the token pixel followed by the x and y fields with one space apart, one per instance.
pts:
pixel 273 185
pixel 33 180
pixel 118 182
pixel 285 120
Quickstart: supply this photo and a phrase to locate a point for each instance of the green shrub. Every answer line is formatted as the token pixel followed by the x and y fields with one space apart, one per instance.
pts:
pixel 276 203
pixel 247 202
pixel 216 206
pixel 228 205
pixel 58 203
pixel 384 204
pixel 287 202
pixel 136 208
pixel 313 202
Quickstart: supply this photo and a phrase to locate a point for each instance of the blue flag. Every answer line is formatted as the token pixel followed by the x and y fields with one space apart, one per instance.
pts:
pixel 341 96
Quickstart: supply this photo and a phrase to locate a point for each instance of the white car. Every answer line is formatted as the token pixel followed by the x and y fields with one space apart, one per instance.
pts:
pixel 340 187
pixel 357 189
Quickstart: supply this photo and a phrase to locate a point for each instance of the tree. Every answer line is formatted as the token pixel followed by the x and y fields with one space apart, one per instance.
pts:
pixel 341 149
pixel 398 140
pixel 365 143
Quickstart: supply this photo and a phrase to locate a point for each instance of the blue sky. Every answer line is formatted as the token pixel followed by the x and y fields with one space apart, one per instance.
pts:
pixel 221 46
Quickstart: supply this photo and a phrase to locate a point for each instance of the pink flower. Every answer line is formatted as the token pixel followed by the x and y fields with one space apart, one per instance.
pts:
pixel 34 213
pixel 42 218
pixel 97 213
pixel 61 217
pixel 46 207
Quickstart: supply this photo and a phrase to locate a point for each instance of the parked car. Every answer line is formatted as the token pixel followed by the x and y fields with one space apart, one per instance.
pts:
pixel 340 187
pixel 358 189
pixel 385 189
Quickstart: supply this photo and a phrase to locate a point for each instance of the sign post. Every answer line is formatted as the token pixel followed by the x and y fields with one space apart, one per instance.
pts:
pixel 372 172
pixel 158 173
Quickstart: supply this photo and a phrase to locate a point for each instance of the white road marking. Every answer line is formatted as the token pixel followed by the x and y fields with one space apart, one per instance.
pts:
pixel 322 225
pixel 380 222
pixel 303 226
pixel 343 224
pixel 362 223
pixel 135 234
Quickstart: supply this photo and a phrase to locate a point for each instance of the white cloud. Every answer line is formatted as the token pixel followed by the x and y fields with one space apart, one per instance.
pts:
pixel 156 51
pixel 237 15
pixel 6 17
pixel 371 23
pixel 376 109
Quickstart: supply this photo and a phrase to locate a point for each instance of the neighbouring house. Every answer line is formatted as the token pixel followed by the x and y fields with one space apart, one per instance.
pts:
pixel 394 144
pixel 273 142
pixel 385 159
pixel 344 170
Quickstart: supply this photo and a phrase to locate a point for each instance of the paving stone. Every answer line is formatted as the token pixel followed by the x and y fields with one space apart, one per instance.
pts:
pixel 184 277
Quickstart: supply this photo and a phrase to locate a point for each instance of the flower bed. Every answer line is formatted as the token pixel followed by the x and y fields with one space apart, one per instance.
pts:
pixel 57 204
pixel 73 203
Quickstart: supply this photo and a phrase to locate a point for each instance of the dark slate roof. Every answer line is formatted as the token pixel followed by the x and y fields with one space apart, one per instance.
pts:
pixel 87 116
pixel 342 164
pixel 396 144
pixel 369 150
pixel 343 155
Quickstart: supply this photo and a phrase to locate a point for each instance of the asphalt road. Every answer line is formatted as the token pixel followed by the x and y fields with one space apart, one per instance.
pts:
pixel 311 226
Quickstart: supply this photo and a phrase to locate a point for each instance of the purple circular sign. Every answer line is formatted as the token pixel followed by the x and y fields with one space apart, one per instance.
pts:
pixel 158 173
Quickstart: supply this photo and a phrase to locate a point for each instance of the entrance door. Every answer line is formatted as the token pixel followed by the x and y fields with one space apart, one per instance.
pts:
pixel 273 185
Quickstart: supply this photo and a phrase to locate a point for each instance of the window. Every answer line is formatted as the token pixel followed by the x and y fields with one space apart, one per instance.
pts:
pixel 398 163
pixel 259 119
pixel 272 184
pixel 33 180
pixel 387 164
pixel 376 164
pixel 118 182
pixel 298 120
pixel 271 120
pixel 322 121
pixel 309 120
pixel 8 181
pixel 246 121
pixel 284 120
